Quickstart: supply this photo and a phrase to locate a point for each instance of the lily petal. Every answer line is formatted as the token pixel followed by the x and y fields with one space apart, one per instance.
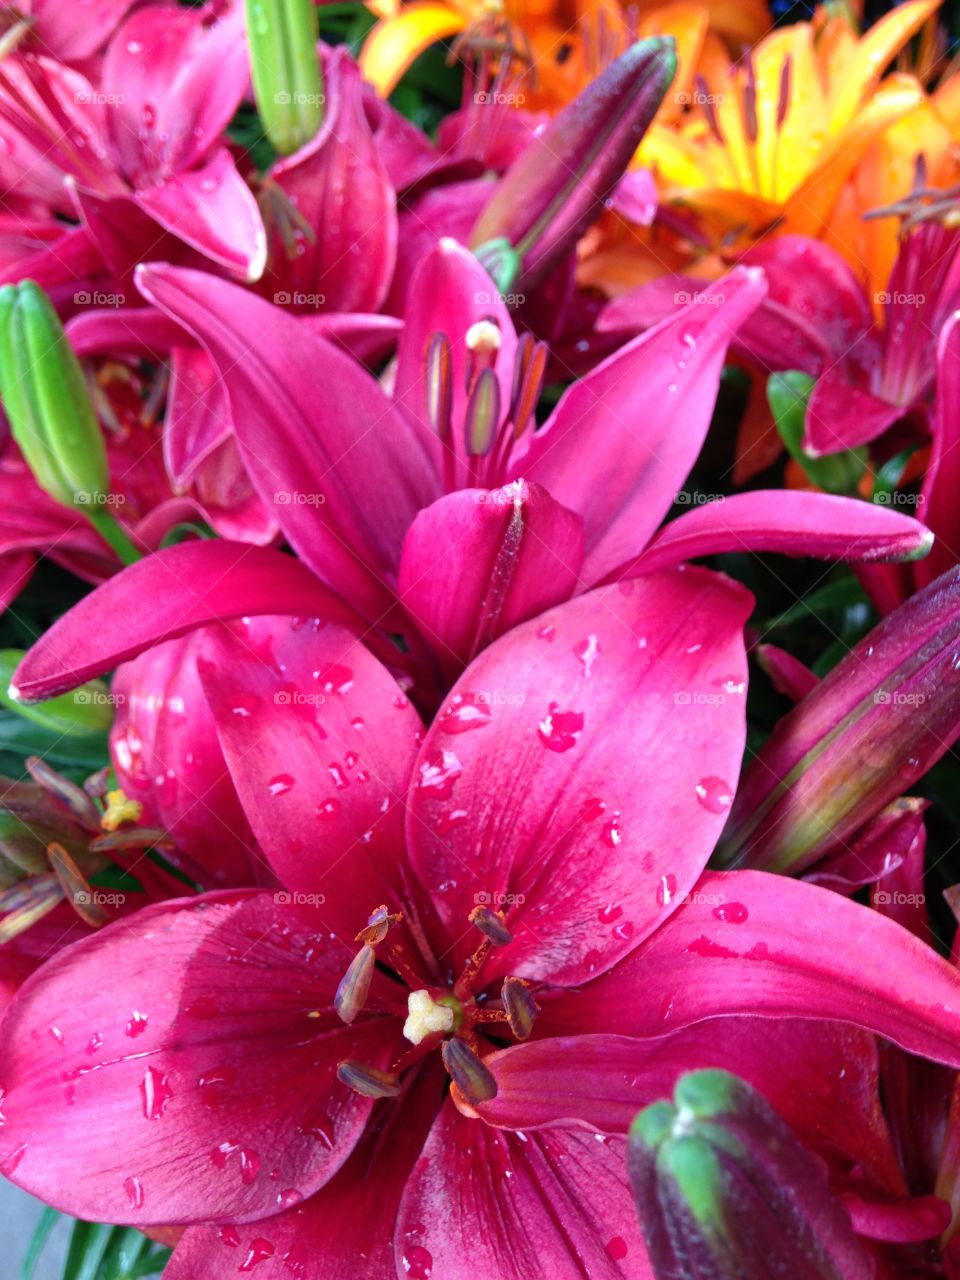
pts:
pixel 177 589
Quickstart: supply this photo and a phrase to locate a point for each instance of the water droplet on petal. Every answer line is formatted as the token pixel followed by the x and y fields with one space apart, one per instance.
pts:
pixel 609 913
pixel 617 1248
pixel 714 794
pixel 587 652
pixel 438 772
pixel 137 1025
pixel 134 1189
pixel 155 1092
pixel 280 785
pixel 229 1236
pixel 465 711
pixel 259 1251
pixel 417 1262
pixel 560 729
pixel 249 1166
pixel 731 912
pixel 287 1199
pixel 666 890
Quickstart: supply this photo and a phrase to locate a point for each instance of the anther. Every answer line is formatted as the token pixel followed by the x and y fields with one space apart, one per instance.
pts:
pixel 483 414
pixel 475 1081
pixel 355 985
pixel 368 1081
pixel 438 384
pixel 520 1007
pixel 491 925
pixel 378 926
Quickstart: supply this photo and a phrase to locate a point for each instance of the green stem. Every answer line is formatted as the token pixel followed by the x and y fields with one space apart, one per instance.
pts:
pixel 114 536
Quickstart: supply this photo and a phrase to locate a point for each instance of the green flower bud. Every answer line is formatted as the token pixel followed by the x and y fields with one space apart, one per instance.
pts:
pixel 287 80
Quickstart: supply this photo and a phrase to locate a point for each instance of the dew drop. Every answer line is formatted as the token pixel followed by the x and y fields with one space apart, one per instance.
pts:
pixel 134 1189
pixel 417 1262
pixel 546 633
pixel 259 1251
pixel 617 1248
pixel 465 711
pixel 438 772
pixel 336 679
pixel 609 913
pixel 155 1092
pixel 329 809
pixel 287 1199
pixel 560 730
pixel 587 652
pixel 666 890
pixel 280 785
pixel 714 794
pixel 249 1166
pixel 229 1236
pixel 612 835
pixel 137 1025
pixel 95 1042
pixel 731 912
pixel 449 819
pixel 10 1163
pixel 338 776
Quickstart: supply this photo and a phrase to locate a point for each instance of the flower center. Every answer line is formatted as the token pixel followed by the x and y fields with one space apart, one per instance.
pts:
pixel 451 1020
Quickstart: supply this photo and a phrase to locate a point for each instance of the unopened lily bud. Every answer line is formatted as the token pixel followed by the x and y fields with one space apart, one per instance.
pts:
pixel 724 1188
pixel 46 400
pixel 553 192
pixel 863 736
pixel 287 80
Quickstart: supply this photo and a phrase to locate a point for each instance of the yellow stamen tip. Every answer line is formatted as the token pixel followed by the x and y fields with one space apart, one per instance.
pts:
pixel 119 810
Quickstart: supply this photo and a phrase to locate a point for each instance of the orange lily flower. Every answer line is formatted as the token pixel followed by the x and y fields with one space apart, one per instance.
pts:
pixel 565 43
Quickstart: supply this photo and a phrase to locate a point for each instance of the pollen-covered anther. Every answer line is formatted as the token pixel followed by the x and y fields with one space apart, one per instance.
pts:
pixel 475 1082
pixel 378 926
pixel 429 1017
pixel 355 985
pixel 519 1005
pixel 119 810
pixel 369 1082
pixel 491 924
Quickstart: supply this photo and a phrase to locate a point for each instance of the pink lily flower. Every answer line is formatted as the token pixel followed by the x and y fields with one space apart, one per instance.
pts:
pixel 438 512
pixel 67 31
pixel 141 152
pixel 495 943
pixel 816 317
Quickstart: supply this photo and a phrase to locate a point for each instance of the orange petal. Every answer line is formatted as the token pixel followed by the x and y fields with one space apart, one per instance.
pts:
pixel 873 55
pixel 687 23
pixel 394 43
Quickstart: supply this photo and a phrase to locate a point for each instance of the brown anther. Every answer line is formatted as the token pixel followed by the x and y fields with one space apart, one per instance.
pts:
pixel 491 925
pixel 369 1082
pixel 529 370
pixel 520 1007
pixel 705 100
pixel 378 926
pixel 475 1081
pixel 355 985
pixel 483 414
pixel 438 384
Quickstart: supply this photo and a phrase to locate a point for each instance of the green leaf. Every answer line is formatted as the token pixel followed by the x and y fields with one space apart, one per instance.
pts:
pixel 787 395
pixel 41 1234
pixel 22 738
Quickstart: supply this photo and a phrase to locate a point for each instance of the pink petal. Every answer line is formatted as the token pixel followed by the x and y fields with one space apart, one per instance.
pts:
pixel 788 674
pixel 841 416
pixel 74 32
pixel 449 292
pixel 178 78
pixel 173 591
pixel 320 743
pixel 345 472
pixel 622 440
pixel 876 850
pixel 198 417
pixel 338 185
pixel 791 522
pixel 139 331
pixel 509 1206
pixel 479 561
pixel 746 942
pixel 938 507
pixel 213 210
pixel 196 1077
pixel 347 1228
pixel 601 1081
pixel 907 1221
pixel 583 754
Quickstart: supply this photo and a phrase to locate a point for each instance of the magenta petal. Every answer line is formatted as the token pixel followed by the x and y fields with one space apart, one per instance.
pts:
pixel 479 561
pixel 509 1206
pixel 449 292
pixel 176 80
pixel 939 507
pixel 345 472
pixel 600 1081
pixel 338 186
pixel 173 591
pixel 213 210
pixel 791 522
pixel 622 440
pixel 198 415
pixel 751 942
pixel 201 1058
pixel 320 743
pixel 139 331
pixel 585 753
pixel 75 32
pixel 347 1228
pixel 905 1221
pixel 843 416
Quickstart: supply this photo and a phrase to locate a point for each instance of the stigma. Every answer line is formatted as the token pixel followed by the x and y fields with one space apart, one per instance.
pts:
pixel 119 809
pixel 429 1017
